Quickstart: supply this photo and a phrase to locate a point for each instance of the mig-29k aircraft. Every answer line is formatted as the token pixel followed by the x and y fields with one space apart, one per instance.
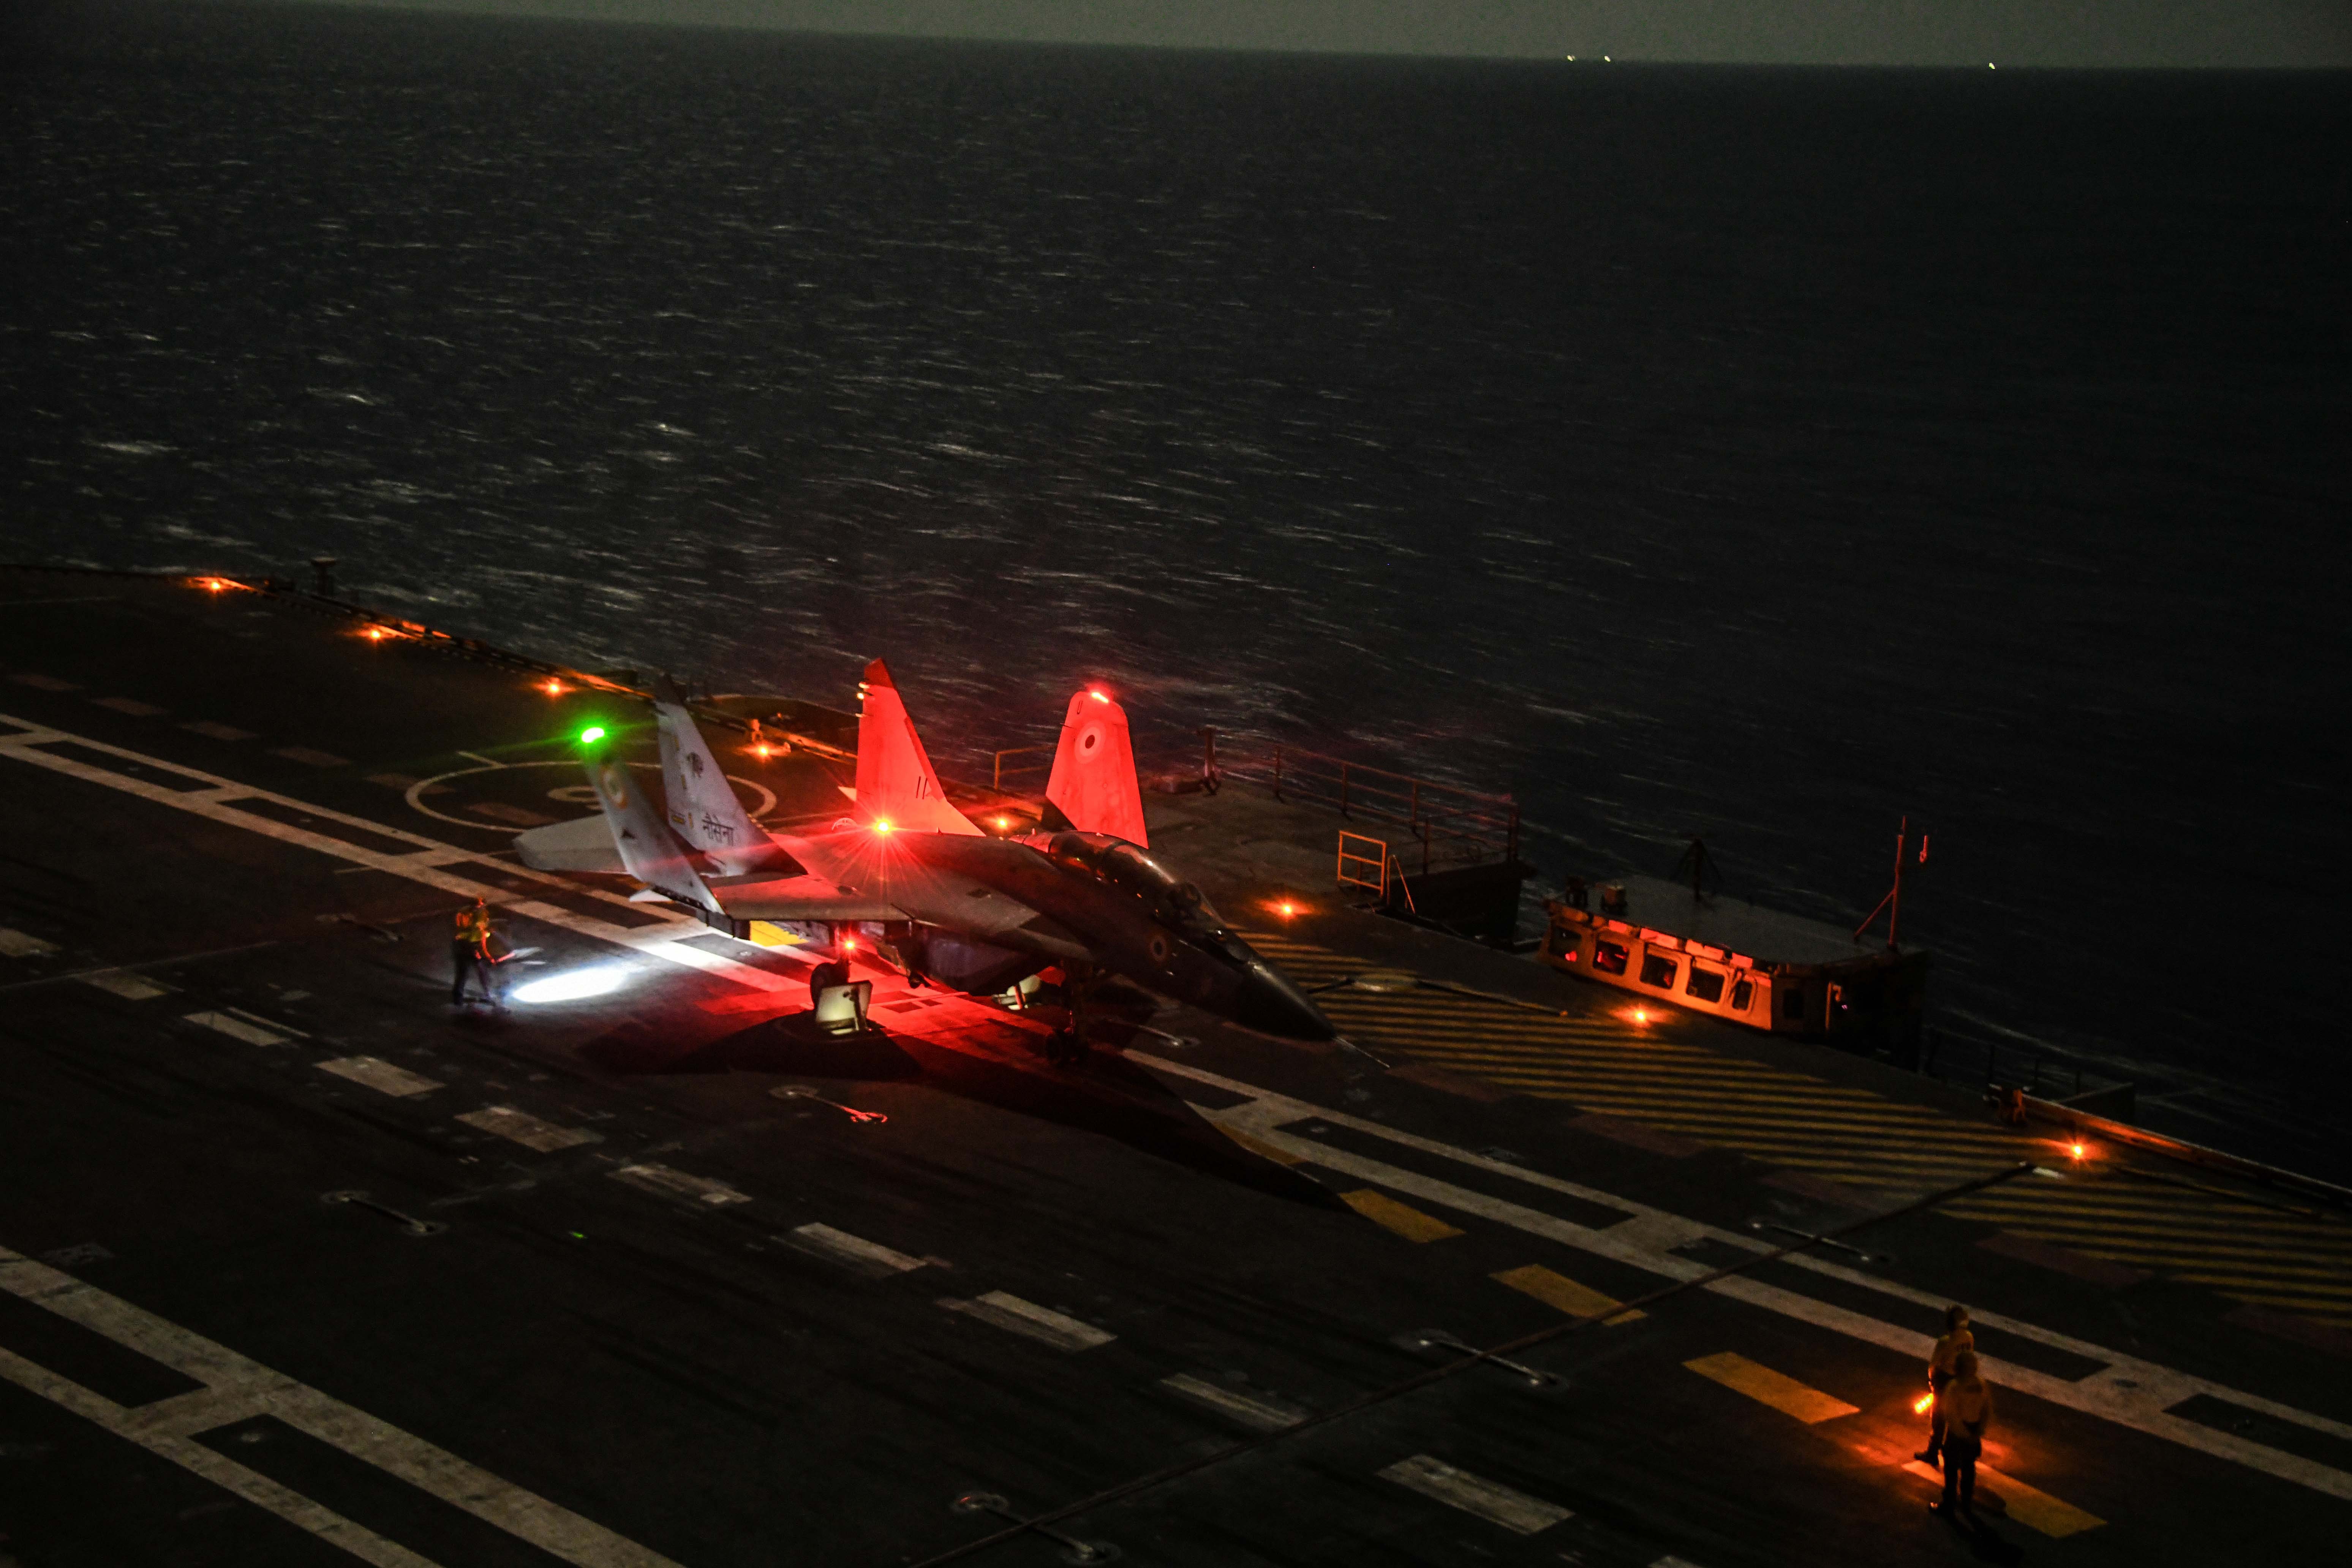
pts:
pixel 954 906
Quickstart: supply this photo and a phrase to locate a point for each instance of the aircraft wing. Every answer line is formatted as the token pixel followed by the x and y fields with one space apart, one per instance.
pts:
pixel 583 845
pixel 804 897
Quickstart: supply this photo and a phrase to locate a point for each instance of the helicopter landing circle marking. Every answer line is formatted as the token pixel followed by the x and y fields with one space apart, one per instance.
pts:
pixel 416 796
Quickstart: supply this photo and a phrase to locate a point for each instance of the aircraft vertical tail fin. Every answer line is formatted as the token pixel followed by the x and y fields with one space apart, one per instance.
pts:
pixel 1093 783
pixel 702 808
pixel 649 851
pixel 895 781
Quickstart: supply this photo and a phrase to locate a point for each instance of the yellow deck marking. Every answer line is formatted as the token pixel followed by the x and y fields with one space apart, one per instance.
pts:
pixel 1559 1290
pixel 1805 1123
pixel 2029 1506
pixel 1402 1218
pixel 1765 1386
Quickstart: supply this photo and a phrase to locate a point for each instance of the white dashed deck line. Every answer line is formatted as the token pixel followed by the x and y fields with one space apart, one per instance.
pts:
pixel 217 730
pixel 678 1184
pixel 128 987
pixel 236 1388
pixel 130 705
pixel 520 1127
pixel 840 1247
pixel 422 865
pixel 1031 1320
pixel 1490 1500
pixel 310 757
pixel 1258 1414
pixel 17 944
pixel 2129 1391
pixel 258 1021
pixel 239 1029
pixel 380 1075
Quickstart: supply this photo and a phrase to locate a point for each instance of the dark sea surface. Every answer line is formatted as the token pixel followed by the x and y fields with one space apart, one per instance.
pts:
pixel 1764 453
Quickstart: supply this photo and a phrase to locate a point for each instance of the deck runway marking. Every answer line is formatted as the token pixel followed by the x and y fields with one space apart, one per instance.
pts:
pixel 1031 1320
pixel 678 1184
pixel 247 1384
pixel 424 864
pixel 866 1257
pixel 2130 1392
pixel 520 1127
pixel 17 944
pixel 239 1029
pixel 380 1075
pixel 1762 1385
pixel 1258 1146
pixel 1805 1123
pixel 1256 1413
pixel 1566 1295
pixel 2029 1506
pixel 1402 1219
pixel 1490 1500
pixel 123 983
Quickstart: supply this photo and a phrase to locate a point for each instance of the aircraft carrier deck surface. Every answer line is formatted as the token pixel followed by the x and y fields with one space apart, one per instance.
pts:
pixel 299 1265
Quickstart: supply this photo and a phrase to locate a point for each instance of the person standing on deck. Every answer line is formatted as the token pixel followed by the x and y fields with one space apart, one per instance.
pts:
pixel 1967 1416
pixel 469 955
pixel 1957 1338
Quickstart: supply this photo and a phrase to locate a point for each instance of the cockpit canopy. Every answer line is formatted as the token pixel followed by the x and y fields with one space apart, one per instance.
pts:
pixel 1172 902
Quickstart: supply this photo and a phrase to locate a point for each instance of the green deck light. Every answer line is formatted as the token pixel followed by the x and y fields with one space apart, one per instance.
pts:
pixel 590 735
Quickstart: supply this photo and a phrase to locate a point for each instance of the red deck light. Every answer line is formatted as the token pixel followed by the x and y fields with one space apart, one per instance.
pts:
pixel 882 825
pixel 1098 694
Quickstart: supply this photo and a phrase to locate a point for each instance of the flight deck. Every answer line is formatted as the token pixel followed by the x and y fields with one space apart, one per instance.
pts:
pixel 299 1264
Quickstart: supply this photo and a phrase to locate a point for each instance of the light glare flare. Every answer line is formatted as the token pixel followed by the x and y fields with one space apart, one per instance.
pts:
pixel 573 984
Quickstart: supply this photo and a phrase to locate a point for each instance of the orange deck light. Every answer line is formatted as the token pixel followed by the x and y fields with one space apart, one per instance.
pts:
pixel 1919 1405
pixel 552 688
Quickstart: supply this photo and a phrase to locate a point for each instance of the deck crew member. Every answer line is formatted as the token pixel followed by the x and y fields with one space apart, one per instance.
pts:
pixel 1957 1338
pixel 469 955
pixel 1967 1416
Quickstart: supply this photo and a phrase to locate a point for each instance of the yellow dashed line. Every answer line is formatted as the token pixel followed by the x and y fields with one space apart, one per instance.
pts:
pixel 1402 1218
pixel 1765 1386
pixel 1559 1290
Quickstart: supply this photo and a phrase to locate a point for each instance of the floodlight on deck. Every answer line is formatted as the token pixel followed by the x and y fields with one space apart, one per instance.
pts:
pixel 574 985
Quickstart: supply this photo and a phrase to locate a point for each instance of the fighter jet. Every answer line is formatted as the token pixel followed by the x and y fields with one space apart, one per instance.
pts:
pixel 912 876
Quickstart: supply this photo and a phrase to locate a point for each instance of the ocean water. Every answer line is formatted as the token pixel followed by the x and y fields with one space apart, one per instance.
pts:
pixel 1761 454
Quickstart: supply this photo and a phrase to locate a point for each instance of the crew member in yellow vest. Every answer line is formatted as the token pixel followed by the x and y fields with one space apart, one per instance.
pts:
pixel 1957 1338
pixel 469 955
pixel 1967 1416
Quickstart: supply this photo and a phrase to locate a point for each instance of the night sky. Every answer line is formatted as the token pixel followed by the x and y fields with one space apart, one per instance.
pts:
pixel 2068 33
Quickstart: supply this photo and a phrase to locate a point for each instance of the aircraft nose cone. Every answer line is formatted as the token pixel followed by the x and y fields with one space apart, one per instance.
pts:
pixel 1272 1004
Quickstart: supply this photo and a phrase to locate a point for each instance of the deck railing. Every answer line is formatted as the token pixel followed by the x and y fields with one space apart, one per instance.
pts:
pixel 1450 826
